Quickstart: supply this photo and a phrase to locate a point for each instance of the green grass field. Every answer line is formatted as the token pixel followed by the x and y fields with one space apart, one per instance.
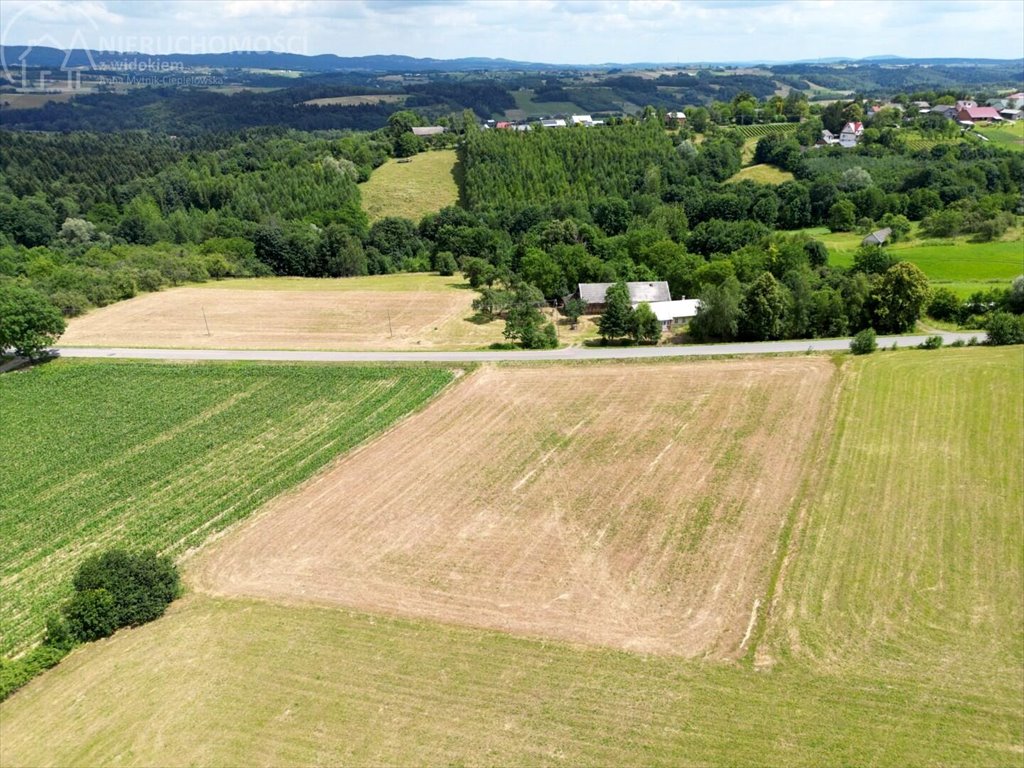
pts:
pixel 956 262
pixel 162 456
pixel 1005 135
pixel 894 635
pixel 526 107
pixel 411 189
pixel 762 174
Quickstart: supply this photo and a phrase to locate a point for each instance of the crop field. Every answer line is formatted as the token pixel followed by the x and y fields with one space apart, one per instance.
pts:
pixel 763 129
pixel 381 312
pixel 892 635
pixel 163 456
pixel 526 107
pixel 424 184
pixel 629 506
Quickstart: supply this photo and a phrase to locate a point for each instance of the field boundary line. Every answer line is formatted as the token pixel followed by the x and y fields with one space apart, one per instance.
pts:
pixel 795 520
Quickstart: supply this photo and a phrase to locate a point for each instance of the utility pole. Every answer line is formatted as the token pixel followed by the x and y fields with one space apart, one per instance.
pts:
pixel 205 321
pixel 391 334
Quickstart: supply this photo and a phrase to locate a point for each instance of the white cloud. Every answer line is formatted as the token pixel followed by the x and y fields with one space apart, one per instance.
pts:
pixel 556 31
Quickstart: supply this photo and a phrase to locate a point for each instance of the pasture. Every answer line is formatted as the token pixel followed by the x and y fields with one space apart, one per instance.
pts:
pixel 354 101
pixel 358 313
pixel 889 633
pixel 1005 135
pixel 164 456
pixel 629 506
pixel 412 187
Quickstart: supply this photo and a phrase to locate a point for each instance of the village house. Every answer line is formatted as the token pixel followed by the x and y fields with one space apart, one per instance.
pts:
pixel 1015 100
pixel 593 294
pixel 851 134
pixel 585 120
pixel 948 111
pixel 675 118
pixel 966 104
pixel 1010 114
pixel 674 313
pixel 553 123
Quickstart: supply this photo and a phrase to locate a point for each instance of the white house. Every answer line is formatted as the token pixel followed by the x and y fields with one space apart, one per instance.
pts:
pixel 582 120
pixel 427 130
pixel 851 134
pixel 559 123
pixel 673 313
pixel 829 138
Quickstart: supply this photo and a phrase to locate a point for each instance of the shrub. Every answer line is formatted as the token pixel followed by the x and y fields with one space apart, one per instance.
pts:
pixel 91 614
pixel 957 343
pixel 140 585
pixel 445 263
pixel 865 342
pixel 943 304
pixel 932 342
pixel 1004 328
pixel 14 673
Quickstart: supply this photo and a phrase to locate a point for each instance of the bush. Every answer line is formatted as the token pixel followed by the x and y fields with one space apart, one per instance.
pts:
pixel 15 673
pixel 943 304
pixel 865 342
pixel 1004 328
pixel 140 585
pixel 932 342
pixel 91 614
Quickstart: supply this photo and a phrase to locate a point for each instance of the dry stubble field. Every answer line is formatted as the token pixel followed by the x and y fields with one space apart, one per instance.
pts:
pixel 395 312
pixel 622 505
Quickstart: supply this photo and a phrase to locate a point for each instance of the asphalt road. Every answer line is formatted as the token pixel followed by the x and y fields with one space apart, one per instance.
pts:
pixel 480 356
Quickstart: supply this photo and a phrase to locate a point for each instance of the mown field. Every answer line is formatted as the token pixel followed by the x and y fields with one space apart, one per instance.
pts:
pixel 163 456
pixel 762 174
pixel 893 634
pixel 956 262
pixel 1006 135
pixel 397 312
pixel 412 187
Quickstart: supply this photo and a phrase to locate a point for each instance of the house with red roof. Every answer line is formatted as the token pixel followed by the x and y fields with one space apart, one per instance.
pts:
pixel 978 114
pixel 851 133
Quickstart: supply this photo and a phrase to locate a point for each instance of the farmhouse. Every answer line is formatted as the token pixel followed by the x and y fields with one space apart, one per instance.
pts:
pixel 673 313
pixel 585 120
pixel 976 113
pixel 851 134
pixel 829 138
pixel 948 111
pixel 593 294
pixel 1010 114
pixel 557 123
pixel 1015 100
pixel 675 118
pixel 428 130
pixel 877 238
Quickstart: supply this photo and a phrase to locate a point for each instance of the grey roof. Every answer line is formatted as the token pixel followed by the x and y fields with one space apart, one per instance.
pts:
pixel 593 293
pixel 877 238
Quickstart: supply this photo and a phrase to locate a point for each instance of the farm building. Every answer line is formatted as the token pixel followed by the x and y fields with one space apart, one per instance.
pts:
pixel 556 123
pixel 1010 114
pixel 974 114
pixel 829 138
pixel 675 118
pixel 673 313
pixel 593 294
pixel 428 130
pixel 877 238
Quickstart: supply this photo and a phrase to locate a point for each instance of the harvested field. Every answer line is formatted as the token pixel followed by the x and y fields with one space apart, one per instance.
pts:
pixel 635 506
pixel 294 314
pixel 352 101
pixel 411 187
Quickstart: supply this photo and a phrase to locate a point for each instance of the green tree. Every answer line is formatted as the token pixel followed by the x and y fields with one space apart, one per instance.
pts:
pixel 842 216
pixel 141 585
pixel 1005 328
pixel 573 310
pixel 943 304
pixel 900 298
pixel 864 343
pixel 91 614
pixel 29 322
pixel 763 309
pixel 524 322
pixel 719 313
pixel 646 326
pixel 617 319
pixel 445 264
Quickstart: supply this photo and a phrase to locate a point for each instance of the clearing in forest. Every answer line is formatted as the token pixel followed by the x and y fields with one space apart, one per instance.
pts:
pixel 635 506
pixel 411 187
pixel 392 312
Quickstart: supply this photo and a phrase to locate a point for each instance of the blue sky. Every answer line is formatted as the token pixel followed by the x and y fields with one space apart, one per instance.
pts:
pixel 555 31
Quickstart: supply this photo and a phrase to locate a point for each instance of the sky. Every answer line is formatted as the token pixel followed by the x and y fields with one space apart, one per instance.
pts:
pixel 549 31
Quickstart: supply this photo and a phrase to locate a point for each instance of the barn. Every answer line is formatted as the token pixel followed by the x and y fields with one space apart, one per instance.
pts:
pixel 593 294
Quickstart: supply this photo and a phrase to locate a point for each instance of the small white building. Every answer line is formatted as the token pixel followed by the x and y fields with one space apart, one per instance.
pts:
pixel 674 313
pixel 582 120
pixel 427 130
pixel 557 123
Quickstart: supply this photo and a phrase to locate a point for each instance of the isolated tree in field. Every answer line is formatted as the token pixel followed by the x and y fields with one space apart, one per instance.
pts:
pixel 719 314
pixel 141 585
pixel 872 260
pixel 525 323
pixel 646 326
pixel 864 343
pixel 763 309
pixel 616 321
pixel 900 298
pixel 29 322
